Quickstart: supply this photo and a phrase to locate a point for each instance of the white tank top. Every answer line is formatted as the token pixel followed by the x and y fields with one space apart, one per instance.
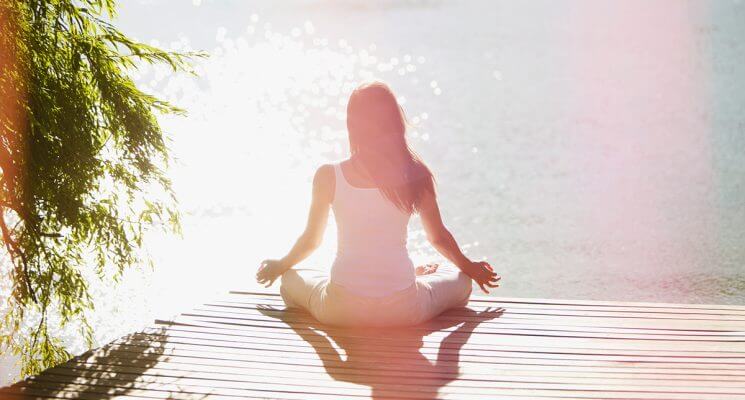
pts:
pixel 371 256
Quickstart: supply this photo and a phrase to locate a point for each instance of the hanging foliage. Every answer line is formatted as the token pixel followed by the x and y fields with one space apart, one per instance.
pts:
pixel 82 162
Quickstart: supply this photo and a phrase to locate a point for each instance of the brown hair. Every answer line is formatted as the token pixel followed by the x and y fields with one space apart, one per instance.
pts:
pixel 377 128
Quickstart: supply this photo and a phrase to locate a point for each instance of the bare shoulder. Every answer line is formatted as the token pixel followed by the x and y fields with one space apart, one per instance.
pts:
pixel 324 182
pixel 324 173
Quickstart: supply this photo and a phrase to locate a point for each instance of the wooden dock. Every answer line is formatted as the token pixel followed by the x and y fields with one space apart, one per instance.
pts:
pixel 245 345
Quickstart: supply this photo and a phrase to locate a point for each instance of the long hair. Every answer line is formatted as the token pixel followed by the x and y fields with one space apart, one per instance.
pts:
pixel 377 128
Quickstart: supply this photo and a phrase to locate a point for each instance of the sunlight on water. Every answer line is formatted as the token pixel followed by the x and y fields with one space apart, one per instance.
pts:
pixel 578 161
pixel 267 109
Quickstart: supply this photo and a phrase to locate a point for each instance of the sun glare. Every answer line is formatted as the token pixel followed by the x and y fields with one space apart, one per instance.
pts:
pixel 241 174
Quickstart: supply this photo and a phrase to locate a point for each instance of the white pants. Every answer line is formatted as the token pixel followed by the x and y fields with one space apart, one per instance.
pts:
pixel 332 304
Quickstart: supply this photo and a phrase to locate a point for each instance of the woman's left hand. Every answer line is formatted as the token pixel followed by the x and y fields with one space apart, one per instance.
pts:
pixel 269 271
pixel 483 274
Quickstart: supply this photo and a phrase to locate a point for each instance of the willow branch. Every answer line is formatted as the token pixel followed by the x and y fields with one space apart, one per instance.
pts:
pixel 15 250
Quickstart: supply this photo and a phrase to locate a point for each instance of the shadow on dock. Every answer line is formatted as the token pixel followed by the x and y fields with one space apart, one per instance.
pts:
pixel 118 369
pixel 389 360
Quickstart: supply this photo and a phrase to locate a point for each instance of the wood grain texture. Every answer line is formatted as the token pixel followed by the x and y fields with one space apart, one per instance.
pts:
pixel 247 345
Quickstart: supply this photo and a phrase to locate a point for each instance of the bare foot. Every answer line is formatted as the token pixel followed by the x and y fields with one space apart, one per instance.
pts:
pixel 426 269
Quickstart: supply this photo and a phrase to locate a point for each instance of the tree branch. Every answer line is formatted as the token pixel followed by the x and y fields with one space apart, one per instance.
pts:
pixel 14 249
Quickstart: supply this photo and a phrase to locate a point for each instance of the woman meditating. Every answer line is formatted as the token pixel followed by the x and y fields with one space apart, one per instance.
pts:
pixel 373 281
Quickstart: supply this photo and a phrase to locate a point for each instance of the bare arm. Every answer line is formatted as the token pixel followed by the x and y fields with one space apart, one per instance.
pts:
pixel 442 240
pixel 310 239
pixel 318 217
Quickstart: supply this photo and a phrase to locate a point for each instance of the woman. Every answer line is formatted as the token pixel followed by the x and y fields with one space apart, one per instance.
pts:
pixel 373 194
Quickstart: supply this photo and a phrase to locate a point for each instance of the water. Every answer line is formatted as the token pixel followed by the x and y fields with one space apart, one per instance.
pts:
pixel 586 149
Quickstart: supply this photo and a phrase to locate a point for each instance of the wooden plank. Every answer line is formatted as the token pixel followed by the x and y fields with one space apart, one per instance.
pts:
pixel 210 340
pixel 429 377
pixel 137 350
pixel 610 320
pixel 283 395
pixel 560 311
pixel 126 355
pixel 290 353
pixel 34 395
pixel 244 333
pixel 338 387
pixel 170 392
pixel 372 348
pixel 398 383
pixel 598 303
pixel 480 302
pixel 464 372
pixel 501 321
pixel 734 342
pixel 478 336
pixel 404 343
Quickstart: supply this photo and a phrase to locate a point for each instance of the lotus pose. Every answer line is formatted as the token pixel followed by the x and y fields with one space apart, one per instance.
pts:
pixel 373 282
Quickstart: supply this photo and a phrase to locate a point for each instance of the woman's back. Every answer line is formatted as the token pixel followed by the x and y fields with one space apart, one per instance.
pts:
pixel 371 258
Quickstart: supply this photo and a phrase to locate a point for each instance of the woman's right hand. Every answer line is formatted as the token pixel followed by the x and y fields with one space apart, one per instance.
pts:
pixel 269 271
pixel 483 274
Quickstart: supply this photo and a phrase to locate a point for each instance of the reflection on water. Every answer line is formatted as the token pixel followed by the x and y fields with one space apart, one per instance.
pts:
pixel 587 150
